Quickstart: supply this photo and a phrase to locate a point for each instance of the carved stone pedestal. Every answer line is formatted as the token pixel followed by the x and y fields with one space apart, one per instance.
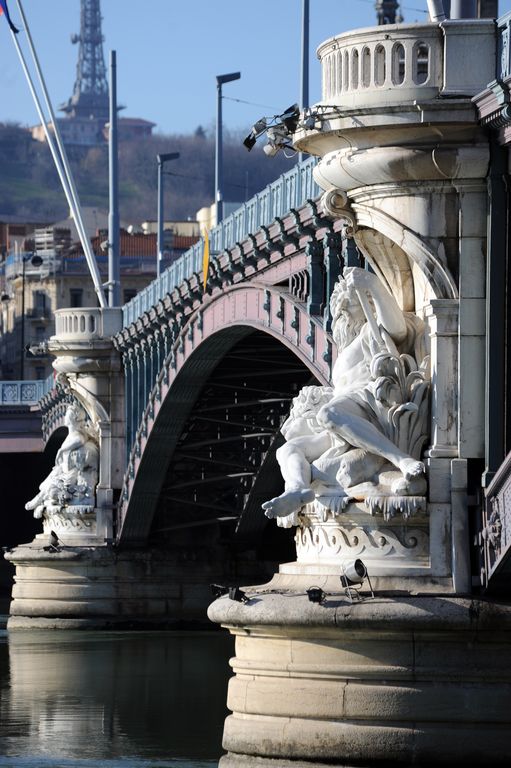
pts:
pixel 330 536
pixel 391 681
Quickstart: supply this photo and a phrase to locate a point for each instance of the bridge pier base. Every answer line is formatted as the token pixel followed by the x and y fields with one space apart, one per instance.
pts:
pixel 91 587
pixel 403 679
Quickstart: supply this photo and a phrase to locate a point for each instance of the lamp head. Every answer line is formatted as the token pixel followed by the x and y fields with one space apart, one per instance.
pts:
pixel 249 141
pixel 290 117
pixel 257 129
pixel 355 571
pixel 237 594
pixel 271 149
pixel 167 156
pixel 353 575
pixel 218 590
pixel 221 79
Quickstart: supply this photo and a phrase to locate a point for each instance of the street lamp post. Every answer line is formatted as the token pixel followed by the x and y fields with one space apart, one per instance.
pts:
pixel 220 80
pixel 36 261
pixel 162 159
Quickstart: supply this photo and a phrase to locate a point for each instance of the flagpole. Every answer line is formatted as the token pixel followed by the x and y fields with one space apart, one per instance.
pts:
pixel 60 161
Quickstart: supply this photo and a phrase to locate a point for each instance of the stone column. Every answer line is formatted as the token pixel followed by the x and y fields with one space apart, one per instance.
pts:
pixel 442 318
pixel 71 581
pixel 90 366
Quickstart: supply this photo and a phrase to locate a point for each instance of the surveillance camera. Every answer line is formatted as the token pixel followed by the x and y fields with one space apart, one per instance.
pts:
pixel 309 123
pixel 104 245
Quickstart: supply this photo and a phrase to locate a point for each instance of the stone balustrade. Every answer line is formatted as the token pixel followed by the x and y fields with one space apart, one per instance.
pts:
pixel 28 392
pixel 416 62
pixel 86 324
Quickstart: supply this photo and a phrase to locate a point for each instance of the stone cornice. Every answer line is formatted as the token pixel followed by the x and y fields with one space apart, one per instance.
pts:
pixel 494 108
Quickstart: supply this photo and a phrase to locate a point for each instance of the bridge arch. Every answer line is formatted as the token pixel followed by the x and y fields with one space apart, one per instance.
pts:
pixel 220 326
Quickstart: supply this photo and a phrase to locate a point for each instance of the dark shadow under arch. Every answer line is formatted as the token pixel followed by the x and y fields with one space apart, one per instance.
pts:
pixel 217 427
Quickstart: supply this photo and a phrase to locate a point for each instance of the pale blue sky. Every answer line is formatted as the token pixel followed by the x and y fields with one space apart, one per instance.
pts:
pixel 169 51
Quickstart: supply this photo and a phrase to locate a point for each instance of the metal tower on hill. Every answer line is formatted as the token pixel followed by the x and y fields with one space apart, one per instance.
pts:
pixel 90 93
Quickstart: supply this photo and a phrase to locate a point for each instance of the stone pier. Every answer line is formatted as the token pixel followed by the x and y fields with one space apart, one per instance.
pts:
pixel 396 657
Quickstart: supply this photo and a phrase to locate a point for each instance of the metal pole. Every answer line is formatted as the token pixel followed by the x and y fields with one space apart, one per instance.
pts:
pixel 219 182
pixel 159 255
pixel 463 9
pixel 22 360
pixel 219 156
pixel 305 54
pixel 305 63
pixel 60 160
pixel 436 10
pixel 160 244
pixel 114 271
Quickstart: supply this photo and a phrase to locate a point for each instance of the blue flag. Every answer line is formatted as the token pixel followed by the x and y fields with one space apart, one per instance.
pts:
pixel 5 10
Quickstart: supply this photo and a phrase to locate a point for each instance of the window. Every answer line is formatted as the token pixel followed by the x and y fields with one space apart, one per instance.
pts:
pixel 39 299
pixel 40 333
pixel 40 372
pixel 76 297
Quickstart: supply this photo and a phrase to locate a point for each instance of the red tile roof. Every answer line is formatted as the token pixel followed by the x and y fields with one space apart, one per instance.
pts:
pixel 138 245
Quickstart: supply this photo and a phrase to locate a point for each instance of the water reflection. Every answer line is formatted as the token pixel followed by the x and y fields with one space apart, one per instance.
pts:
pixel 100 697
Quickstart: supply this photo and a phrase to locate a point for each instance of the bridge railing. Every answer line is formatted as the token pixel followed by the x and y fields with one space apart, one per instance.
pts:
pixel 291 190
pixel 27 392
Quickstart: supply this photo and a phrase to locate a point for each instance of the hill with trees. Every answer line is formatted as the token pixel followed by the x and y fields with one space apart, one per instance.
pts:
pixel 30 188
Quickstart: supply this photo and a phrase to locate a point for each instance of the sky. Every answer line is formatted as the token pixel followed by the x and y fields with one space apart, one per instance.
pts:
pixel 169 52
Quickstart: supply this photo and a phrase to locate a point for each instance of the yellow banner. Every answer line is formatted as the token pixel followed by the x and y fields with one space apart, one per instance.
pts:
pixel 205 256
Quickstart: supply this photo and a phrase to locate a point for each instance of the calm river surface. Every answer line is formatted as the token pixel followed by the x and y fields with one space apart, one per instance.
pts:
pixel 131 699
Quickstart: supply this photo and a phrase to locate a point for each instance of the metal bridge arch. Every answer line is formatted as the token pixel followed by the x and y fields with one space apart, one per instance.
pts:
pixel 210 332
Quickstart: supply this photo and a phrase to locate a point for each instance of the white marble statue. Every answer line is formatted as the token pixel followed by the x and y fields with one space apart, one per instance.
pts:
pixel 70 486
pixel 361 438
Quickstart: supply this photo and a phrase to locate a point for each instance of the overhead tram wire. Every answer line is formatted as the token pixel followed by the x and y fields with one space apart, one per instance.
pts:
pixel 251 103
pixel 202 178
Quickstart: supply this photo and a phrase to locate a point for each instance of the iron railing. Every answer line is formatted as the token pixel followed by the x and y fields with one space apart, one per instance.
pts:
pixel 291 190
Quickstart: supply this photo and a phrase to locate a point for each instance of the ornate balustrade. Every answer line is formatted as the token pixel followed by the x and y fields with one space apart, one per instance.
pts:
pixel 392 64
pixel 13 393
pixel 85 324
pixel 495 538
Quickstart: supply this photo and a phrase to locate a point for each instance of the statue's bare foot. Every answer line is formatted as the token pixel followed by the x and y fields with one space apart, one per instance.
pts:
pixel 288 502
pixel 411 468
pixel 416 486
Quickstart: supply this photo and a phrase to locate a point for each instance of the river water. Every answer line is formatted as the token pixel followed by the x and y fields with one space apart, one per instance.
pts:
pixel 110 699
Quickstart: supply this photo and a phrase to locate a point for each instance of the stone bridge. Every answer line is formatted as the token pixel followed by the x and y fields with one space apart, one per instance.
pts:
pixel 185 388
pixel 209 374
pixel 396 483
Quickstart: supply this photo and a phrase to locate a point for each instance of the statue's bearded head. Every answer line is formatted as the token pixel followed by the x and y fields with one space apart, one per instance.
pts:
pixel 347 314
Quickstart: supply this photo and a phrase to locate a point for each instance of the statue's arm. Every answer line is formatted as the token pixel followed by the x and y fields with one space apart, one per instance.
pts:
pixel 388 312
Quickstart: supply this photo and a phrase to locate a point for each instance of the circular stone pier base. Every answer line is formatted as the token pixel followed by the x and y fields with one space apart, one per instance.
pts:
pixel 420 681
